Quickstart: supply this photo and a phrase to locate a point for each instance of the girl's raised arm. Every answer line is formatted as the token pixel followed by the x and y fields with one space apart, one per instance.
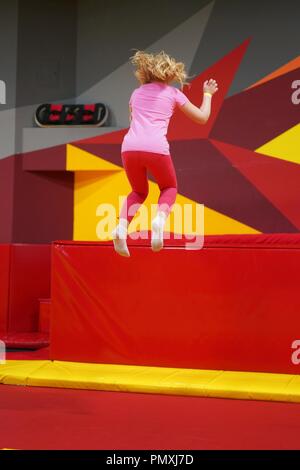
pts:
pixel 201 115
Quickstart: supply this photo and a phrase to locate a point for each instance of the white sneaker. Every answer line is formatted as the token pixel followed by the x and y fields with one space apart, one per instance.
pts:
pixel 157 235
pixel 119 236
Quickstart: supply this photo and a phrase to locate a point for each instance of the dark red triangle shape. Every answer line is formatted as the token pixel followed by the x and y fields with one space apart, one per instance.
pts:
pixel 278 180
pixel 181 127
pixel 255 116
pixel 207 177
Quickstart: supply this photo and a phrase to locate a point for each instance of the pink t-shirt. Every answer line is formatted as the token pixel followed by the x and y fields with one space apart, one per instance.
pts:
pixel 152 107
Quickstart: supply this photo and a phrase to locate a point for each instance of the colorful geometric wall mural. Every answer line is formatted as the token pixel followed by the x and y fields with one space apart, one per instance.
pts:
pixel 243 165
pixel 222 165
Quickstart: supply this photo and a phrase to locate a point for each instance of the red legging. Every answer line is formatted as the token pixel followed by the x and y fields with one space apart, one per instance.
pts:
pixel 136 165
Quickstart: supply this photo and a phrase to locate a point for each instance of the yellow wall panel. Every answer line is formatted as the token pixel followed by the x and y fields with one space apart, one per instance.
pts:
pixel 98 198
pixel 285 146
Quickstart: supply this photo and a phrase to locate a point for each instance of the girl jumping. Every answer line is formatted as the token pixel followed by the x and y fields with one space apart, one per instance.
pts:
pixel 145 146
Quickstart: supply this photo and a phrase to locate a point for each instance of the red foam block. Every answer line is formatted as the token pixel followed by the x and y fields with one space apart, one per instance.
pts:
pixel 31 341
pixel 4 286
pixel 44 315
pixel 227 306
pixel 24 278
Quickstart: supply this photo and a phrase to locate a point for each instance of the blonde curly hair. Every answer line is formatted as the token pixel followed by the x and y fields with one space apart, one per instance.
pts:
pixel 158 67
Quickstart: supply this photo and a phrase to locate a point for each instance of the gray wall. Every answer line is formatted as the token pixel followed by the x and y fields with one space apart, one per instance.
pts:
pixel 47 38
pixel 107 30
pixel 78 50
pixel 104 72
pixel 273 26
pixel 8 73
pixel 37 62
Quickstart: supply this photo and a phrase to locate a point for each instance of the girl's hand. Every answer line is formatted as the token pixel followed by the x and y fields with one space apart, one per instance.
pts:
pixel 210 86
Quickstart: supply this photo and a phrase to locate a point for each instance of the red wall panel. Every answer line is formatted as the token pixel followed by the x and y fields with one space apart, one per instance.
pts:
pixel 4 286
pixel 44 315
pixel 7 185
pixel 227 307
pixel 43 204
pixel 29 281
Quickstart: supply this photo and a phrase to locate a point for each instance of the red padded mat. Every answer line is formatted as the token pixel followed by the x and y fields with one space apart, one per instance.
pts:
pixel 263 240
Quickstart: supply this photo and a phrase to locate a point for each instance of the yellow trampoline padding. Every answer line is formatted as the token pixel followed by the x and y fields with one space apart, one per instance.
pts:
pixel 168 381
